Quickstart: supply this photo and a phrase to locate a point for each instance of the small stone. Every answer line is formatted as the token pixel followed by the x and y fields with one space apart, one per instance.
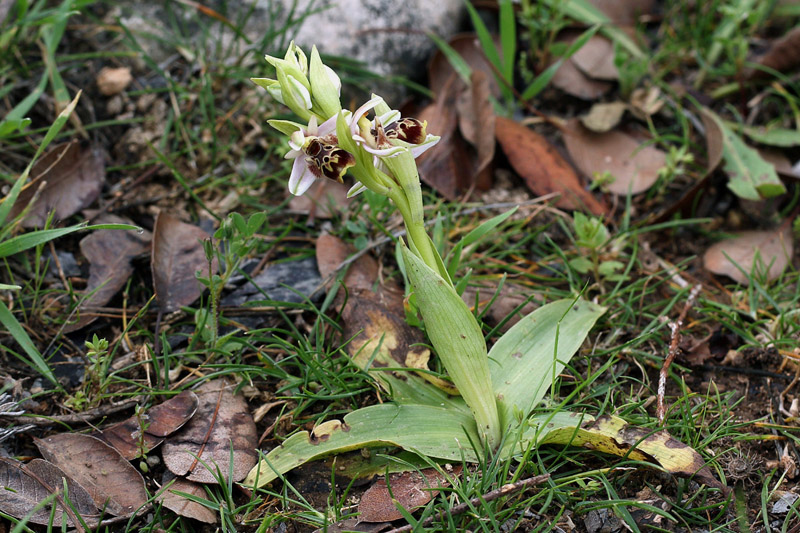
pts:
pixel 785 503
pixel 111 81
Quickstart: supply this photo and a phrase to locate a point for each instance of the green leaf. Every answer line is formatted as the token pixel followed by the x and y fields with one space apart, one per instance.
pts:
pixel 458 341
pixel 750 176
pixel 770 136
pixel 9 126
pixel 287 127
pixel 526 359
pixel 454 58
pixel 29 240
pixel 36 361
pixel 472 237
pixel 508 39
pixel 430 431
pixel 541 81
pixel 584 11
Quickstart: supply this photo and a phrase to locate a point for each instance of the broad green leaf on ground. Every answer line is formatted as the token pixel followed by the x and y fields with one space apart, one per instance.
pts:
pixel 782 137
pixel 632 166
pixel 66 179
pixel 176 502
pixel 221 431
pixel 527 358
pixel 25 486
pixel 425 430
pixel 177 255
pixel 610 434
pixel 100 469
pixel 750 176
pixel 409 490
pixel 751 252
pixel 542 167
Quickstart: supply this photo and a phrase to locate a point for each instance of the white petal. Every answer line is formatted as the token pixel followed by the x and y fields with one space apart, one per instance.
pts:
pixel 329 126
pixel 429 142
pixel 312 125
pixel 301 93
pixel 360 112
pixel 356 189
pixel 301 178
pixel 334 79
pixel 385 152
pixel 388 118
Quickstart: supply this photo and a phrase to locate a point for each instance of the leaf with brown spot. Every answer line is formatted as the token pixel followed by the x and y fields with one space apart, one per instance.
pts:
pixel 633 165
pixel 99 468
pixel 596 59
pixel 222 421
pixel 109 253
pixel 162 420
pixel 177 254
pixel 759 251
pixel 783 56
pixel 410 490
pixel 610 434
pixel 24 486
pixel 542 168
pixel 183 506
pixel 66 179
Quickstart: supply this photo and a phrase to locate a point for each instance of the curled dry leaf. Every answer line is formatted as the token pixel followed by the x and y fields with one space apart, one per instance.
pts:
pixel 66 179
pixel 109 253
pixel 222 422
pixel 24 486
pixel 110 479
pixel 783 56
pixel 596 59
pixel 183 506
pixel 111 81
pixel 570 79
pixel 409 490
pixel 542 168
pixel 160 421
pixel 766 252
pixel 177 254
pixel 633 166
pixel 603 117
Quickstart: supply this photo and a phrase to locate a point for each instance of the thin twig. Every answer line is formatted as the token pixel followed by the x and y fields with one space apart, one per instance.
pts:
pixel 77 418
pixel 675 327
pixel 488 497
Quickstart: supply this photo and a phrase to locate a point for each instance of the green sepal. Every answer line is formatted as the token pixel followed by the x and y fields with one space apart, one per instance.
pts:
pixel 287 127
pixel 324 92
pixel 291 98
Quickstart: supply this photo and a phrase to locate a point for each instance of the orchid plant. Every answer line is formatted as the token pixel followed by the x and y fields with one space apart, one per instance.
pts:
pixel 498 388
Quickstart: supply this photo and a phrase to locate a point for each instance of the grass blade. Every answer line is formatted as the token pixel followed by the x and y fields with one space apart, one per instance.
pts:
pixel 16 330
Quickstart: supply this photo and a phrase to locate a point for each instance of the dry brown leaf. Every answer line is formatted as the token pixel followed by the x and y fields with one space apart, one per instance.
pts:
pixel 177 254
pixel 476 120
pixel 783 56
pixel 353 524
pixel 571 80
pixel 596 59
pixel 183 506
pixel 781 163
pixel 714 142
pixel 542 168
pixel 111 81
pixel 762 251
pixel 66 179
pixel 633 166
pixel 469 48
pixel 222 421
pixel 603 117
pixel 410 490
pixel 109 253
pixel 324 199
pixel 100 469
pixel 162 420
pixel 24 486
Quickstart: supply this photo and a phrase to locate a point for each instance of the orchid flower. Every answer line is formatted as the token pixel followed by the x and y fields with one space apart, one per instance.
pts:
pixel 316 153
pixel 394 141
